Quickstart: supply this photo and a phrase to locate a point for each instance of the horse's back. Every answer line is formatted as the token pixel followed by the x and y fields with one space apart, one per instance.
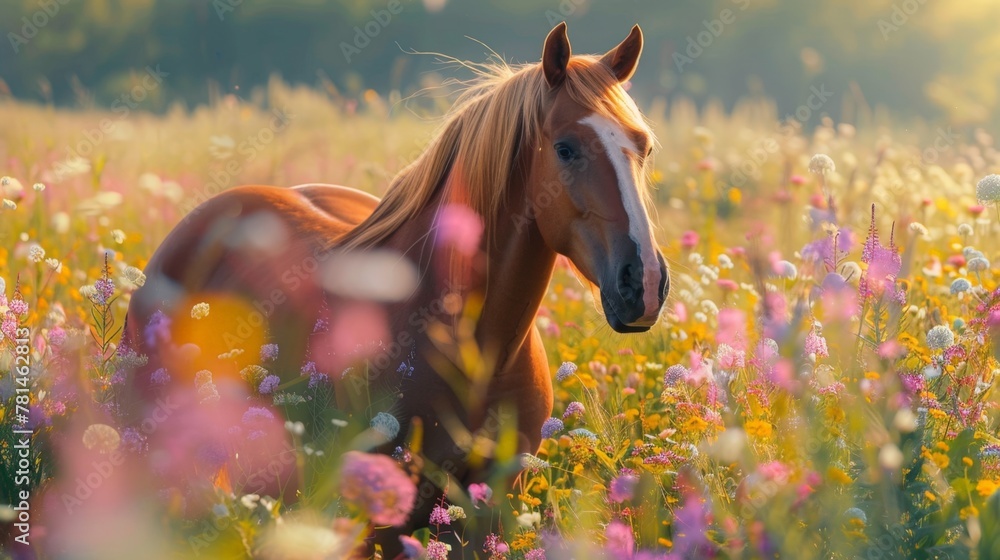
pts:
pixel 254 254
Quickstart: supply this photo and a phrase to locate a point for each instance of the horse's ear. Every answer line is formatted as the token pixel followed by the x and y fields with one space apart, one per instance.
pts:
pixel 623 59
pixel 555 55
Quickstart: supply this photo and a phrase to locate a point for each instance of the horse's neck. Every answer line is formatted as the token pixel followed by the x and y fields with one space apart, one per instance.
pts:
pixel 513 277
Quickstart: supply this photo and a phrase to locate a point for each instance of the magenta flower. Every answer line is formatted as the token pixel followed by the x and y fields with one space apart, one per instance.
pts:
pixel 376 485
pixel 480 492
pixel 689 239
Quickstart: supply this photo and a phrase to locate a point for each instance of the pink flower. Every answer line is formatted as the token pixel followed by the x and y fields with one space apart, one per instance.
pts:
pixel 816 344
pixel 621 543
pixel 375 484
pixel 439 516
pixel 732 328
pixel 730 358
pixel 727 285
pixel 689 239
pixel 459 226
pixel 480 492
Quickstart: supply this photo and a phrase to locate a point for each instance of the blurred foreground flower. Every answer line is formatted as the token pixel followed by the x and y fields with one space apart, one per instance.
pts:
pixel 375 484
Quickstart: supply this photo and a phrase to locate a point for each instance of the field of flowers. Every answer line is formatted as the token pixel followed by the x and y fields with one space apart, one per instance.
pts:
pixel 823 384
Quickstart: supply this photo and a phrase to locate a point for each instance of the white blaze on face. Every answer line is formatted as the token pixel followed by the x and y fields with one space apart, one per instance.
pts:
pixel 616 143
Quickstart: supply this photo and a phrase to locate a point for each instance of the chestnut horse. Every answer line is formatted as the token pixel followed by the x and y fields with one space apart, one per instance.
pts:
pixel 531 162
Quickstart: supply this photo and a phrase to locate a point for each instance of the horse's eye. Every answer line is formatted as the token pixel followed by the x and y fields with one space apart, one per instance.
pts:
pixel 565 153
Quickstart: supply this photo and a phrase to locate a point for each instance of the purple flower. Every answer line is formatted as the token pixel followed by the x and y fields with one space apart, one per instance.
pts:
pixel 574 409
pixel 160 377
pixel 105 290
pixel 269 384
pixel 565 370
pixel 439 516
pixel 57 336
pixel 551 427
pixel 157 331
pixel 269 352
pixel 376 484
pixel 622 488
pixel 257 414
pixel 674 374
pixel 118 377
pixel 133 440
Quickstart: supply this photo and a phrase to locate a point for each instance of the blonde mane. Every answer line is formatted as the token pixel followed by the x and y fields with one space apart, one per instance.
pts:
pixel 480 139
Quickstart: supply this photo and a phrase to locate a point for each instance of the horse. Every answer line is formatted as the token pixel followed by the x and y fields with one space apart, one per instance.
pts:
pixel 531 162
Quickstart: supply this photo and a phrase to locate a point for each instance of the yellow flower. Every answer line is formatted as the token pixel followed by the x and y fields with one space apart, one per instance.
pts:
pixel 838 476
pixel 986 488
pixel 695 424
pixel 941 460
pixel 930 495
pixel 968 511
pixel 759 428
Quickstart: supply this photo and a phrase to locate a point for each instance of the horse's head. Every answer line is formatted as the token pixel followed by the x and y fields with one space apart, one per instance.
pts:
pixel 587 184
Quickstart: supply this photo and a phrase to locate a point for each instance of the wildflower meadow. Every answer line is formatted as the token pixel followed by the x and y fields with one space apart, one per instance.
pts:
pixel 823 383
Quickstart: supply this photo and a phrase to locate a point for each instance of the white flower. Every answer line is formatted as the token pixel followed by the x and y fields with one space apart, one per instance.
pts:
pixel 39 187
pixel 940 337
pixel 385 424
pixel 297 428
pixel 9 204
pixel 960 285
pixel 134 275
pixel 978 264
pixel 118 235
pixel 988 188
pixel 199 311
pixel 250 501
pixel 821 164
pixel 785 269
pixel 54 264
pixel 919 229
pixel 36 253
pixel 724 261
pixel 964 229
pixel 528 520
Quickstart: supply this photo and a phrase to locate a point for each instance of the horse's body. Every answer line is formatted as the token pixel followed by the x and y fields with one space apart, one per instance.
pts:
pixel 263 256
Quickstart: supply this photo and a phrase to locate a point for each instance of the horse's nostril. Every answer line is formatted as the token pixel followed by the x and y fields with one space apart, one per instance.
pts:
pixel 629 284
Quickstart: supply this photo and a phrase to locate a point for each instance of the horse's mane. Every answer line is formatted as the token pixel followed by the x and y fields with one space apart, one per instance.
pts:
pixel 500 111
